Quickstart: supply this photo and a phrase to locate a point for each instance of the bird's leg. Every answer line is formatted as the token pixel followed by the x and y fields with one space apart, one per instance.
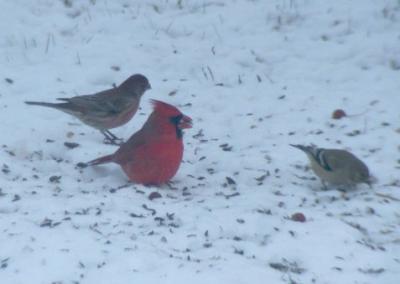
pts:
pixel 112 135
pixel 369 183
pixel 324 186
pixel 344 188
pixel 170 185
pixel 107 138
pixel 111 138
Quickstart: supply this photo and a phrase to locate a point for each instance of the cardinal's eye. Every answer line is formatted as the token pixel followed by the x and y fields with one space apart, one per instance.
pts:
pixel 176 119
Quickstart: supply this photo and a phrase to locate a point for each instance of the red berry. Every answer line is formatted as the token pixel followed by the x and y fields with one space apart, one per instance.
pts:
pixel 298 217
pixel 338 114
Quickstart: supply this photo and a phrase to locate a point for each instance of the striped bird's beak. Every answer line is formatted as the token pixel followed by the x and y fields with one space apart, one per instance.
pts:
pixel 301 147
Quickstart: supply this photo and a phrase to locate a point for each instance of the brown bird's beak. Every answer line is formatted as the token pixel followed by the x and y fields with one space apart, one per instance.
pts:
pixel 185 122
pixel 148 87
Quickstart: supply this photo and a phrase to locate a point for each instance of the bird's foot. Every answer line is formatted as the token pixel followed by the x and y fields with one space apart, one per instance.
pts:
pixel 113 141
pixel 324 186
pixel 170 185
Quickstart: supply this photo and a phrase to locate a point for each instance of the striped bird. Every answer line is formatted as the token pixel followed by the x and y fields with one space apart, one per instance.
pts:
pixel 335 166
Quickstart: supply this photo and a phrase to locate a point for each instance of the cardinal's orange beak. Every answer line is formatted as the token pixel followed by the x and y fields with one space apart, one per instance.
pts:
pixel 185 122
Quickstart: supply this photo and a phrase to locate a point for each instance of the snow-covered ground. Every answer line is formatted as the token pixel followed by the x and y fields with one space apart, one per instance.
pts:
pixel 255 76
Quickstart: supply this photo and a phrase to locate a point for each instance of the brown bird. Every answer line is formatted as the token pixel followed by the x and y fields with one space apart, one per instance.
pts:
pixel 154 153
pixel 107 109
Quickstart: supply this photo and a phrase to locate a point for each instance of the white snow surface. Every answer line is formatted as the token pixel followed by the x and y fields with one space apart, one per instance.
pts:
pixel 255 76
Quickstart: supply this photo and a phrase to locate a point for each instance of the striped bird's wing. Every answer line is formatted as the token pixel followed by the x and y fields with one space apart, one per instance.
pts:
pixel 334 160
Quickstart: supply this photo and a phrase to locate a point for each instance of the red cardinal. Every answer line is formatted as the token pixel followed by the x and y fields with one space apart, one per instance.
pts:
pixel 107 109
pixel 153 154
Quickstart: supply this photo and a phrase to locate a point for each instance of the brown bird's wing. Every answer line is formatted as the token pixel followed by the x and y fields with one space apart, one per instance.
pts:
pixel 102 104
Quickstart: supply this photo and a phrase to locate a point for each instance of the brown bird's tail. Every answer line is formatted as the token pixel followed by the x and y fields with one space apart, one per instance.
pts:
pixel 53 105
pixel 101 160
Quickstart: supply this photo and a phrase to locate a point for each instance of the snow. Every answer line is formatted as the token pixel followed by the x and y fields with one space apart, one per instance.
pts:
pixel 255 76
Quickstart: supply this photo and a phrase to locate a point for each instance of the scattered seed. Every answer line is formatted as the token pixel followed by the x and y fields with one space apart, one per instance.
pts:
pixel 154 195
pixel 71 145
pixel 55 179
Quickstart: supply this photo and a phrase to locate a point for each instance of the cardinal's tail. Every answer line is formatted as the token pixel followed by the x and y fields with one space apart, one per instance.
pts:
pixel 101 160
